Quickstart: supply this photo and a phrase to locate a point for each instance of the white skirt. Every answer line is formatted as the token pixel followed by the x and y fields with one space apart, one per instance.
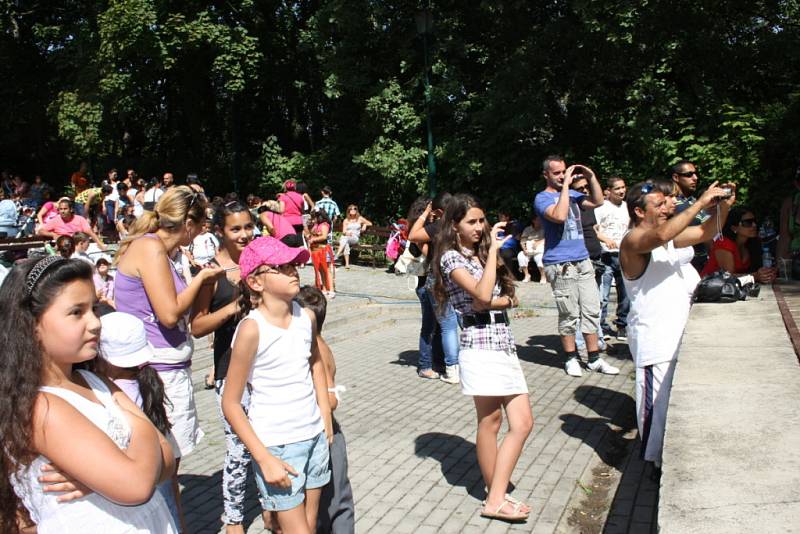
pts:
pixel 181 410
pixel 490 373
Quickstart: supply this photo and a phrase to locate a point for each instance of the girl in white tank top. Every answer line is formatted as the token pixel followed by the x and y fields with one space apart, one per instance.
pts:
pixel 275 354
pixel 69 419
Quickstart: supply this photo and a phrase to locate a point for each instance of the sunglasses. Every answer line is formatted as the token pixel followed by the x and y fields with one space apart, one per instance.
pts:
pixel 582 189
pixel 747 222
pixel 687 174
pixel 286 269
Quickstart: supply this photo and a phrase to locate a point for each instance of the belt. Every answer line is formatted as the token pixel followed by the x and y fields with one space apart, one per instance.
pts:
pixel 484 318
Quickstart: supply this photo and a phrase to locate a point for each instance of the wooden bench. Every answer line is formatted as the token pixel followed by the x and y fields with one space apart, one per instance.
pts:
pixel 372 243
pixel 23 243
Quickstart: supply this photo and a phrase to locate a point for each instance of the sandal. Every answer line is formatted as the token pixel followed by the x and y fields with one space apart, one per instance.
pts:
pixel 512 500
pixel 516 516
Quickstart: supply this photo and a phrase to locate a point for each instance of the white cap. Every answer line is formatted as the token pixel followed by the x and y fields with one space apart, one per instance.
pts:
pixel 123 340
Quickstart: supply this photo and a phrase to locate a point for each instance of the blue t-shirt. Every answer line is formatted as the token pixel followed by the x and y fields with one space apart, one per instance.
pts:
pixel 562 242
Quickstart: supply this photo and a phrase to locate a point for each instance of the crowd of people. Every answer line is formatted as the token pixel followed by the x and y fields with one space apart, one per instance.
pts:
pixel 98 402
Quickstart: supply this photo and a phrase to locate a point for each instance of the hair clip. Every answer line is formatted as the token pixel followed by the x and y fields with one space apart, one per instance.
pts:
pixel 38 271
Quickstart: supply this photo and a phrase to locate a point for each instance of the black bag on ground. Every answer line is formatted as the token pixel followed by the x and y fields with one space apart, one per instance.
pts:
pixel 722 286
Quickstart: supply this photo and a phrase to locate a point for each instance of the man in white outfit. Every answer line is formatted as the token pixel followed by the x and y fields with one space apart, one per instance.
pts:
pixel 660 287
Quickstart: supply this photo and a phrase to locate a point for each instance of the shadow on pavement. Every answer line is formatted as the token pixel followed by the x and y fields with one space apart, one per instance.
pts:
pixel 542 350
pixel 205 517
pixel 613 436
pixel 407 358
pixel 457 458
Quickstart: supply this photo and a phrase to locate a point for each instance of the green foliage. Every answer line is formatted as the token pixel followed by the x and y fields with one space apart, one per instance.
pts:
pixel 78 123
pixel 332 92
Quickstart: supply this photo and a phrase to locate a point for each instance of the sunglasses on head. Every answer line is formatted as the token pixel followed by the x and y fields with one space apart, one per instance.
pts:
pixel 747 222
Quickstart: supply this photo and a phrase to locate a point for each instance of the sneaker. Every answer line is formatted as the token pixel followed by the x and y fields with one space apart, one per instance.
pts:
pixel 451 374
pixel 607 334
pixel 573 367
pixel 602 366
pixel 622 334
pixel 428 373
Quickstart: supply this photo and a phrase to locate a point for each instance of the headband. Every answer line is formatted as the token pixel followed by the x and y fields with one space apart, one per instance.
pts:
pixel 38 271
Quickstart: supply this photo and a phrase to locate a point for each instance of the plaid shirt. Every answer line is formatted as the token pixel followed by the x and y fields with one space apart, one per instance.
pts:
pixel 496 336
pixel 329 206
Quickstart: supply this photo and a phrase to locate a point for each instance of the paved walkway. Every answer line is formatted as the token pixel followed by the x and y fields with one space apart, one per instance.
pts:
pixel 411 441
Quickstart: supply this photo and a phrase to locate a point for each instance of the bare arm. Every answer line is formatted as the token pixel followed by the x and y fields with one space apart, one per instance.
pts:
pixel 364 222
pixel 597 197
pixel 481 290
pixel 694 235
pixel 205 322
pixel 84 452
pixel 330 370
pixel 152 266
pixel 320 378
pixel 559 211
pixel 417 233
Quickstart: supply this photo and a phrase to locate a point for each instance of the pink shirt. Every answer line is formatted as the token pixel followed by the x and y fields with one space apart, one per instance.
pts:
pixel 282 226
pixel 292 207
pixel 59 227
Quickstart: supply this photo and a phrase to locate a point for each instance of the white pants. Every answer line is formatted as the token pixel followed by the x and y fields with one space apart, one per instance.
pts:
pixel 653 385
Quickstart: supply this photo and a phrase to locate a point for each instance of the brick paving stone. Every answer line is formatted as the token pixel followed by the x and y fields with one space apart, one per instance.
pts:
pixel 411 441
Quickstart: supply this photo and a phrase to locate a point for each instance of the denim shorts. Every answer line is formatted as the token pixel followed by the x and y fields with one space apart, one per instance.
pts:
pixel 310 458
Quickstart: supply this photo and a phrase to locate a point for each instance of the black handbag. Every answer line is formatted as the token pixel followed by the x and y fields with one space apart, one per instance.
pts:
pixel 722 286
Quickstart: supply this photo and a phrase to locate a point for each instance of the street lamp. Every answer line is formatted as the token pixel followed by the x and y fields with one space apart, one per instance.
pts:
pixel 424 20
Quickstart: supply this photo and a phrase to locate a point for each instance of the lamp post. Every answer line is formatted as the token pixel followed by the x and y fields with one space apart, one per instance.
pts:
pixel 424 20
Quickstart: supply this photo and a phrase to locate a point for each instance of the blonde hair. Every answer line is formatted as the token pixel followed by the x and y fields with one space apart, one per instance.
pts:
pixel 172 210
pixel 347 212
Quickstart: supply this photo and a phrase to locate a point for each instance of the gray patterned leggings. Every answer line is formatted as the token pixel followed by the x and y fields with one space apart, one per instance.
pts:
pixel 237 460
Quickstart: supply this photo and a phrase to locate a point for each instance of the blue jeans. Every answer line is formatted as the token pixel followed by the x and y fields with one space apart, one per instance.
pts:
pixel 448 322
pixel 427 331
pixel 613 271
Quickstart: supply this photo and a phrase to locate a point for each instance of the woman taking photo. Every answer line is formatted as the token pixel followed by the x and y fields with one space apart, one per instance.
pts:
pixel 352 226
pixel 148 286
pixel 471 277
pixel 739 250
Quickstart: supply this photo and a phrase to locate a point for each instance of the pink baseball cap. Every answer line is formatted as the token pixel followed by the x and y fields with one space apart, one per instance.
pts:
pixel 267 250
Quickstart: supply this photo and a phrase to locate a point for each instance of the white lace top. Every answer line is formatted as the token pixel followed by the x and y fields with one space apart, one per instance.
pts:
pixel 93 513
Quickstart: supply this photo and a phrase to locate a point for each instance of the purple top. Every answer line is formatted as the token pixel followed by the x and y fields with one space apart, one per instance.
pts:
pixel 171 345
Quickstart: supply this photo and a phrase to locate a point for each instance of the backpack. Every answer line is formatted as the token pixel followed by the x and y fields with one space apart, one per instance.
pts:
pixel 722 286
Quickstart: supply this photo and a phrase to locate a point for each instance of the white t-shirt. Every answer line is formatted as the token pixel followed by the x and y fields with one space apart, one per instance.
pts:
pixel 613 222
pixel 153 195
pixel 283 402
pixel 204 248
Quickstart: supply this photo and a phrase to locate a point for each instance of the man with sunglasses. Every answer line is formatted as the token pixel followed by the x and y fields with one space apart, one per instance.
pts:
pixel 660 285
pixel 566 260
pixel 684 176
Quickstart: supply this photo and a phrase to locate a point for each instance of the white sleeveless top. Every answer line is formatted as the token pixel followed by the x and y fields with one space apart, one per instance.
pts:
pixel 283 404
pixel 92 513
pixel 660 302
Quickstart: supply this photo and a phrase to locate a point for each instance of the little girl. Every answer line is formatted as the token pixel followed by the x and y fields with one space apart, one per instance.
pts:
pixel 317 239
pixel 53 414
pixel 480 288
pixel 275 354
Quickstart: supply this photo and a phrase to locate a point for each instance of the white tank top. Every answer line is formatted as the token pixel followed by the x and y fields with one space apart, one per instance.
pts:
pixel 660 302
pixel 93 513
pixel 283 403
